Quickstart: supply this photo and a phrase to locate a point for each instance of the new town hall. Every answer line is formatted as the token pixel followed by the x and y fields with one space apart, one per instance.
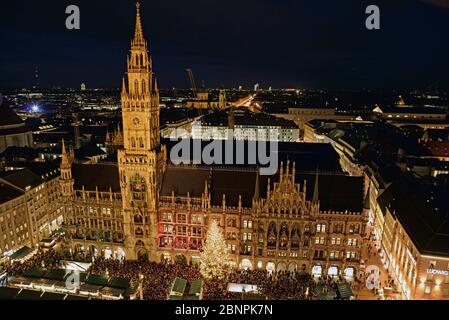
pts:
pixel 143 207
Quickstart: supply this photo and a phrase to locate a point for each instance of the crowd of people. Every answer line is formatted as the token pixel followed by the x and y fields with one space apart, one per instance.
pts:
pixel 157 278
pixel 42 259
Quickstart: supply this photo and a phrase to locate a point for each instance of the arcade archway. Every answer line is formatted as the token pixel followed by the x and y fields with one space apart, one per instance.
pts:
pixel 246 264
pixel 292 267
pixel 332 271
pixel 282 266
pixel 349 273
pixel 271 267
pixel 317 271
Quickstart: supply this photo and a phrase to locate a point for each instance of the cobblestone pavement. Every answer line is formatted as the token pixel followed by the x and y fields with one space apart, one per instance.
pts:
pixel 371 257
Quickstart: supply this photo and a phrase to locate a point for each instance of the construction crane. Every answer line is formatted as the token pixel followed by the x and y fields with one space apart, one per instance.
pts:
pixel 192 83
pixel 194 88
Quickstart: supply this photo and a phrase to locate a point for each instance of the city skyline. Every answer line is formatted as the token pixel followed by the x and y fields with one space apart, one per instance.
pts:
pixel 300 44
pixel 224 194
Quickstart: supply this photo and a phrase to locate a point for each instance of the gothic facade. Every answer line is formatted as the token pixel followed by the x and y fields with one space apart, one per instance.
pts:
pixel 144 208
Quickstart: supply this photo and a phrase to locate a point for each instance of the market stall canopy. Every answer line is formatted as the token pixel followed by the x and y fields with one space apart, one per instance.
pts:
pixel 21 253
pixel 344 290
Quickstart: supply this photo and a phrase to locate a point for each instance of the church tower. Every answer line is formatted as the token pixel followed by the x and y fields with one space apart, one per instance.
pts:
pixel 66 180
pixel 142 160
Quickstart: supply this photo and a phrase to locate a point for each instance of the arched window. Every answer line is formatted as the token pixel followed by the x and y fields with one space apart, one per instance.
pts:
pixel 138 189
pixel 133 142
pixel 143 87
pixel 271 235
pixel 351 228
pixel 141 142
pixel 283 235
pixel 138 219
pixel 136 86
pixel 295 236
pixel 139 231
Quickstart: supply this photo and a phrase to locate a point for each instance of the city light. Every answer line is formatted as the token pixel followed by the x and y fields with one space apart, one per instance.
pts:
pixel 35 108
pixel 309 185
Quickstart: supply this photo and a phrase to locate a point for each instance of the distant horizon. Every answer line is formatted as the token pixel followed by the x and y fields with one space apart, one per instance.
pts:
pixel 244 88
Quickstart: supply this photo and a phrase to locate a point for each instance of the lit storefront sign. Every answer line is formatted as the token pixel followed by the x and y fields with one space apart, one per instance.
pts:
pixel 439 272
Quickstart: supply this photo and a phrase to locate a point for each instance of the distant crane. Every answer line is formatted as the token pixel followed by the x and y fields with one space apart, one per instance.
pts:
pixel 194 88
pixel 192 82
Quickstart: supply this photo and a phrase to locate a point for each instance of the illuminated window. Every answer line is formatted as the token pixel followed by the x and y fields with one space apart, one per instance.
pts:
pixel 196 219
pixel 182 218
pixel 136 86
pixel 351 228
pixel 428 290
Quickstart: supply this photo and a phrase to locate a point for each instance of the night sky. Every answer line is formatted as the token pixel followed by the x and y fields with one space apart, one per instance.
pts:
pixel 280 43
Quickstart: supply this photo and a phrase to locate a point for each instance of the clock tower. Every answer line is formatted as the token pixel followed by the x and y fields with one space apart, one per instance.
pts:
pixel 142 160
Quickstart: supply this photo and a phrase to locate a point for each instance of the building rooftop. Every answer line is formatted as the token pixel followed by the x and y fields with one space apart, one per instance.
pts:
pixel 425 215
pixel 25 153
pixel 89 150
pixel 308 156
pixel 411 110
pixel 245 118
pixel 337 192
pixel 8 117
pixel 91 176
pixel 23 179
pixel 7 193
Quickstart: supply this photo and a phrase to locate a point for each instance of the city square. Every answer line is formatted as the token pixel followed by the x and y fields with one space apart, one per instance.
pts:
pixel 148 192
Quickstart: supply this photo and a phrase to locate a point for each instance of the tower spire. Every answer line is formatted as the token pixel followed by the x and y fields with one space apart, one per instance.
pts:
pixel 138 34
pixel 65 161
pixel 63 146
pixel 315 197
pixel 156 88
pixel 123 86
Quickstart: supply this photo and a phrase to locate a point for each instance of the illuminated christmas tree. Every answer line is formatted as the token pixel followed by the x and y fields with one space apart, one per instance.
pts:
pixel 214 258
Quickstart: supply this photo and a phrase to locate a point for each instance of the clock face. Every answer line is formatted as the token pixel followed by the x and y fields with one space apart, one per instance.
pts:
pixel 136 122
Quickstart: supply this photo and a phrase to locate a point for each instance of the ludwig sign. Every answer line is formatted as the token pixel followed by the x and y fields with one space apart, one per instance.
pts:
pixel 439 272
